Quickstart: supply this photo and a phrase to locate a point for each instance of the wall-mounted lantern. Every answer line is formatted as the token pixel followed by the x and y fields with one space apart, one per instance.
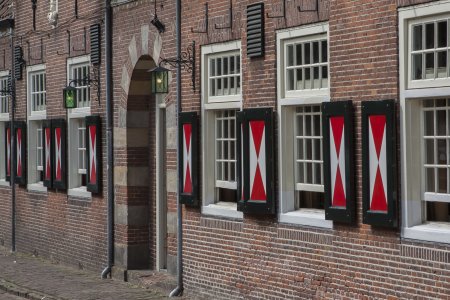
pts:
pixel 160 75
pixel 70 92
pixel 70 97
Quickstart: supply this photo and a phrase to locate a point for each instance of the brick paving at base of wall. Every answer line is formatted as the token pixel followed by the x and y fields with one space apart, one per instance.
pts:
pixel 33 275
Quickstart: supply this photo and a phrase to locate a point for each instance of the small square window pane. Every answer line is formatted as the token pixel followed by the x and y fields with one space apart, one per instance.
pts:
pixel 219 66
pixel 290 55
pixel 429 123
pixel 300 153
pixel 317 149
pixel 238 84
pixel 324 77
pixel 212 67
pixel 429 65
pixel 308 83
pixel 309 176
pixel 442 180
pixel 429 36
pixel 232 66
pixel 417 66
pixel 442 152
pixel 438 211
pixel 441 122
pixel 309 151
pixel 212 91
pixel 442 64
pixel 442 33
pixel 307 57
pixel 219 87
pixel 429 151
pixel 299 125
pixel 317 173
pixel 238 64
pixel 440 102
pixel 316 84
pixel 430 180
pixel 225 66
pixel 299 79
pixel 290 80
pixel 324 52
pixel 315 52
pixel 298 54
pixel 317 126
pixel 308 125
pixel 417 37
pixel 300 172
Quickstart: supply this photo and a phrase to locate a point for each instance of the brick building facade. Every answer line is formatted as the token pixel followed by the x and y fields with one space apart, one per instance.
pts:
pixel 68 224
pixel 300 252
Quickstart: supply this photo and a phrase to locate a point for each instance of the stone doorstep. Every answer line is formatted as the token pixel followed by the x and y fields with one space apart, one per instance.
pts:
pixel 149 279
pixel 23 292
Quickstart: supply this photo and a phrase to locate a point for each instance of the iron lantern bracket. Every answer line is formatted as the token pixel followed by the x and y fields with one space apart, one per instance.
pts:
pixel 186 60
pixel 88 81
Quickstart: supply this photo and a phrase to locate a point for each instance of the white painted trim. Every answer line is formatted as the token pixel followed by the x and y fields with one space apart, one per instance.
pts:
pixel 3 182
pixel 35 115
pixel 223 209
pixel 79 111
pixel 37 187
pixel 436 197
pixel 307 217
pixel 410 133
pixel 309 187
pixel 4 73
pixel 223 106
pixel 4 117
pixel 80 192
pixel 226 184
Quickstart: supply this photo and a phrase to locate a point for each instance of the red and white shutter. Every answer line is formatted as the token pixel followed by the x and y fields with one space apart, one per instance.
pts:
pixel 337 161
pixel 258 183
pixel 188 143
pixel 379 152
pixel 377 163
pixel 20 155
pixel 255 160
pixel 187 158
pixel 8 151
pixel 93 152
pixel 59 153
pixel 338 166
pixel 47 142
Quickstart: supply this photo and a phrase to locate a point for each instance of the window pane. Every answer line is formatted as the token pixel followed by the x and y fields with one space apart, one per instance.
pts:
pixel 308 125
pixel 317 174
pixel 429 149
pixel 219 66
pixel 300 153
pixel 429 123
pixel 290 55
pixel 308 144
pixel 290 80
pixel 324 51
pixel 417 37
pixel 441 122
pixel 442 64
pixel 317 149
pixel 225 66
pixel 324 77
pixel 429 179
pixel 299 79
pixel 298 54
pixel 429 65
pixel 442 151
pixel 438 212
pixel 442 180
pixel 417 66
pixel 212 67
pixel 315 52
pixel 299 125
pixel 429 36
pixel 307 57
pixel 308 78
pixel 232 67
pixel 316 84
pixel 310 200
pixel 442 33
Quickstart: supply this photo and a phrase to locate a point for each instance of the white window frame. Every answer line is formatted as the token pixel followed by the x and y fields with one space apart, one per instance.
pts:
pixel 414 225
pixel 209 106
pixel 287 104
pixel 4 75
pixel 34 120
pixel 4 118
pixel 75 116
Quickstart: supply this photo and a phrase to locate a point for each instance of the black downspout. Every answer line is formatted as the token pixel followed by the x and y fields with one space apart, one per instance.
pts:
pixel 13 148
pixel 109 138
pixel 179 289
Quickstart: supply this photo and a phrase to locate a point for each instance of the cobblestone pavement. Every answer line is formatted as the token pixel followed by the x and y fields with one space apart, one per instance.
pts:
pixel 33 278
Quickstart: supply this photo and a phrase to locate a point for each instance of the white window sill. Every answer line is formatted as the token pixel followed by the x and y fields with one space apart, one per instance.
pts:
pixel 223 209
pixel 307 217
pixel 432 232
pixel 37 187
pixel 37 115
pixel 80 192
pixel 4 117
pixel 3 182
pixel 79 112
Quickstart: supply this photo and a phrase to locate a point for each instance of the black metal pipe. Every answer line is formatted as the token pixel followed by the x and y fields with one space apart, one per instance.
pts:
pixel 109 137
pixel 13 148
pixel 179 289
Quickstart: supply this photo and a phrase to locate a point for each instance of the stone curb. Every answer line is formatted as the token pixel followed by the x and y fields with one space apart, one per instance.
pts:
pixel 23 292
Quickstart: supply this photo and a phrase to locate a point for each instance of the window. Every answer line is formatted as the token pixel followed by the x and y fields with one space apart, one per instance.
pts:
pixel 303 84
pixel 37 113
pixel 425 127
pixel 222 81
pixel 78 70
pixel 4 118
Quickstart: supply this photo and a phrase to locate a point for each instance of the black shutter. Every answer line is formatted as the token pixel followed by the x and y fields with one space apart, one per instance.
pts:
pixel 379 163
pixel 337 129
pixel 20 161
pixel 8 151
pixel 95 44
pixel 255 30
pixel 188 158
pixel 47 142
pixel 254 128
pixel 59 154
pixel 93 151
pixel 18 62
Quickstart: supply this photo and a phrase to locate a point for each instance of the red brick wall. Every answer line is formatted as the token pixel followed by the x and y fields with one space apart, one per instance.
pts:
pixel 261 258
